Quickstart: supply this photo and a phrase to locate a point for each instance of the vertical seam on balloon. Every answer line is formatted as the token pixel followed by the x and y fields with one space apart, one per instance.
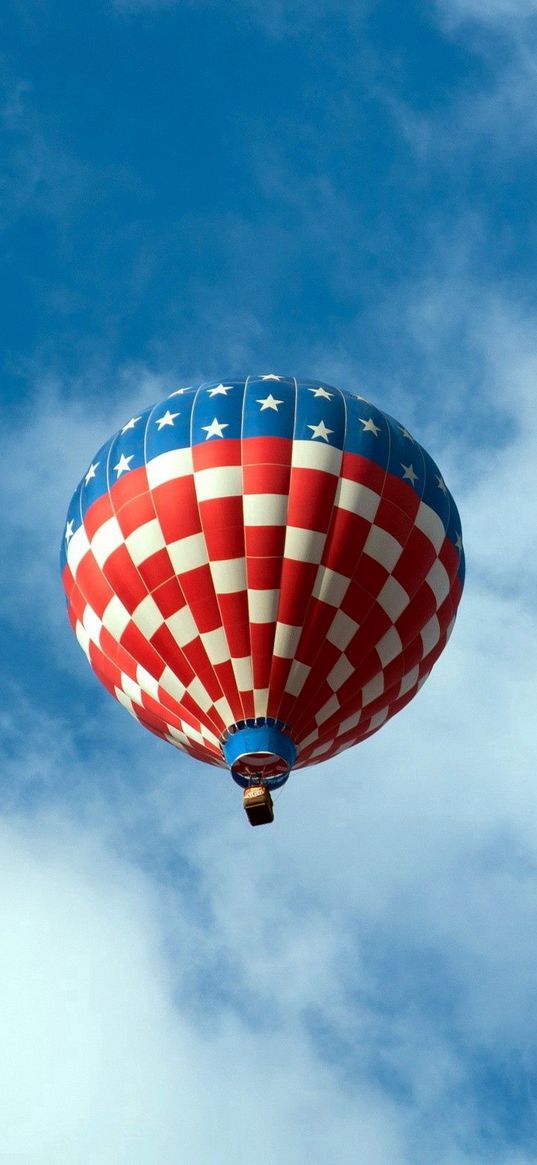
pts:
pixel 239 697
pixel 246 572
pixel 326 544
pixel 203 387
pixel 282 559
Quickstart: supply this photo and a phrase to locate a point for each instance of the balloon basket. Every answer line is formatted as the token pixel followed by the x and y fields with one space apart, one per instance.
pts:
pixel 258 805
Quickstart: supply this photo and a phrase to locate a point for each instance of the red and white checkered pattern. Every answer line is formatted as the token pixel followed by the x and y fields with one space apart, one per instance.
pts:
pixel 262 577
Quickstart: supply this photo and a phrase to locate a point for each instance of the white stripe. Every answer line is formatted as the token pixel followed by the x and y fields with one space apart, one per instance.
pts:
pixel 229 575
pixel 116 618
pixel 373 689
pixel 260 701
pixel 393 598
pixel 200 694
pixel 224 710
pixel 297 677
pixel 350 723
pixel 147 682
pixel 147 616
pixel 430 635
pixel 389 647
pixel 438 580
pixel 182 626
pixel 263 606
pixel 357 498
pixel 188 553
pixel 377 720
pixel 125 700
pixel 106 540
pixel 92 623
pixel 342 629
pixel 286 640
pixel 383 547
pixel 145 541
pixel 216 645
pixel 131 688
pixel 430 524
pixel 169 682
pixel 409 681
pixel 322 748
pixel 330 586
pixel 303 545
pixel 314 455
pixel 309 739
pixel 340 672
pixel 242 669
pixel 167 466
pixel 265 509
pixel 329 709
pixel 175 736
pixel 224 481
pixel 77 548
pixel 204 737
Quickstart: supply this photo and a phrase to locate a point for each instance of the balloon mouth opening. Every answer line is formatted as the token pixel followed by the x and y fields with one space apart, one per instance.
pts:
pixel 259 753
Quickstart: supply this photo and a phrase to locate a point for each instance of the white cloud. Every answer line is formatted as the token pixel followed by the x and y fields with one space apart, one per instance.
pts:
pixel 494 11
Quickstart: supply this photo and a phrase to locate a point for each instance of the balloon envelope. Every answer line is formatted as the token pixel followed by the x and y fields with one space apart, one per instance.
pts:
pixel 262 571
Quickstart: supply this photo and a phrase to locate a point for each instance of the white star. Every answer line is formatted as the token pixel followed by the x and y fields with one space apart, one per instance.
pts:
pixel 69 531
pixel 220 390
pixel 320 430
pixel 370 426
pixel 269 403
pixel 130 424
pixel 123 463
pixel 458 542
pixel 91 472
pixel 179 392
pixel 409 473
pixel 406 434
pixel 441 484
pixel 167 418
pixel 214 429
pixel 322 392
pixel 271 376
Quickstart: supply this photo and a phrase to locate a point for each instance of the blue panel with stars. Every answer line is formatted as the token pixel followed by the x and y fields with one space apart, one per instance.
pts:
pixel 217 411
pixel 368 432
pixel 320 414
pixel 269 407
pixel 406 457
pixel 73 523
pixel 127 450
pixel 436 493
pixel 168 425
pixel 95 481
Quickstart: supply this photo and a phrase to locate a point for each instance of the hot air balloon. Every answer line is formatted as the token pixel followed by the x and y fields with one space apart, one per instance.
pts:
pixel 262 571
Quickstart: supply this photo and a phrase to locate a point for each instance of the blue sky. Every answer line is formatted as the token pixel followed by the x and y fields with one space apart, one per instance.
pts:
pixel 342 190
